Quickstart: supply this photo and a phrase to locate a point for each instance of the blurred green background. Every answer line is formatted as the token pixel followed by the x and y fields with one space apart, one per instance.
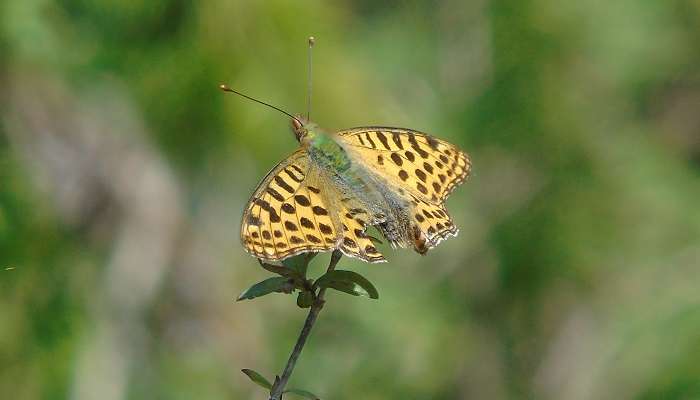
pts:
pixel 124 172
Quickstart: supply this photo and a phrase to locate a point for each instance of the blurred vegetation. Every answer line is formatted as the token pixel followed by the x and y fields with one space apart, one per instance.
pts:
pixel 124 171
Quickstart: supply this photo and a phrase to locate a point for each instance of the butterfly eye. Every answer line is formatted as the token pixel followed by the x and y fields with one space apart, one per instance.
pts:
pixel 298 127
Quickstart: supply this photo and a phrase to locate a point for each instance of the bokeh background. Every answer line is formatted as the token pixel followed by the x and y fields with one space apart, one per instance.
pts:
pixel 124 172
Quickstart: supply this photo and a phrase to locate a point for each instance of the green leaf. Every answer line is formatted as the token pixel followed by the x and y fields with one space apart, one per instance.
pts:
pixel 302 393
pixel 348 282
pixel 257 378
pixel 276 284
pixel 282 270
pixel 299 263
pixel 305 299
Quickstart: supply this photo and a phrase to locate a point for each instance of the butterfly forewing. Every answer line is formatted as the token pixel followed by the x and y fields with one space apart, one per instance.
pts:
pixel 288 214
pixel 414 161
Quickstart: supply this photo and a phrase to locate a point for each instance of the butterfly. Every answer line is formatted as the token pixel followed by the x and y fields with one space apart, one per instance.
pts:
pixel 328 192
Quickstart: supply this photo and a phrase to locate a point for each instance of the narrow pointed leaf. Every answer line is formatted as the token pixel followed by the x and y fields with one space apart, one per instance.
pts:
pixel 348 282
pixel 270 285
pixel 282 270
pixel 303 393
pixel 257 378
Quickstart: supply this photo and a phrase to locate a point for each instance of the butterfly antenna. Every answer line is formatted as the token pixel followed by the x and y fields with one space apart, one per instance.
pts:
pixel 225 88
pixel 312 41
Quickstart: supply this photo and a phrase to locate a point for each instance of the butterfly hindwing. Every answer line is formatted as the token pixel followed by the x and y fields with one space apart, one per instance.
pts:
pixel 288 214
pixel 431 224
pixel 354 218
pixel 427 167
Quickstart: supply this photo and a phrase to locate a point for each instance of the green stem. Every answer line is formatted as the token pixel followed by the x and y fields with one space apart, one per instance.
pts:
pixel 316 306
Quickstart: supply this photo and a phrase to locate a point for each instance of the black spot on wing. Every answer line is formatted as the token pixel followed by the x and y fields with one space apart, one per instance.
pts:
pixel 296 240
pixel 382 138
pixel 313 239
pixel 302 200
pixel 288 208
pixel 274 217
pixel 297 178
pixel 371 142
pixel 306 223
pixel 262 203
pixel 420 174
pixel 297 169
pixel 397 140
pixel 275 194
pixel 283 184
pixel 432 142
pixel 325 229
pixel 318 210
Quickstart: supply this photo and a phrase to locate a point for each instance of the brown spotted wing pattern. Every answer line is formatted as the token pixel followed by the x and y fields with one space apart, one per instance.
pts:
pixel 288 213
pixel 297 209
pixel 422 169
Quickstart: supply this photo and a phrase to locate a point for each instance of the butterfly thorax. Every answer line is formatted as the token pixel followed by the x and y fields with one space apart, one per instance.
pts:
pixel 324 150
pixel 357 183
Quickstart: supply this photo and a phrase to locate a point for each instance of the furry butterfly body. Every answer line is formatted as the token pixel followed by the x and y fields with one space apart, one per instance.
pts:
pixel 329 191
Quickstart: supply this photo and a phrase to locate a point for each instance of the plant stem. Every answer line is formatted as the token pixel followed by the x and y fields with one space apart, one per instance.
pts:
pixel 316 306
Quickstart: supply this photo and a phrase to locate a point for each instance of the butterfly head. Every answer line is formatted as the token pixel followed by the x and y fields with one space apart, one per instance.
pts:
pixel 304 129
